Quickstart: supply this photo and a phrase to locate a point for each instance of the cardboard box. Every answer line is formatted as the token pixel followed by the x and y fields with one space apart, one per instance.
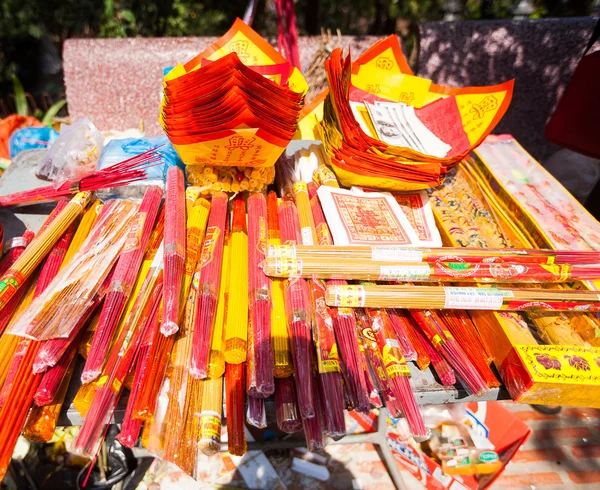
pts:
pixel 505 431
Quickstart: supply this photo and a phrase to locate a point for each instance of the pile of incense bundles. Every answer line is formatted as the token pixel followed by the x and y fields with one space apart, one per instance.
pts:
pixel 231 111
pixel 385 128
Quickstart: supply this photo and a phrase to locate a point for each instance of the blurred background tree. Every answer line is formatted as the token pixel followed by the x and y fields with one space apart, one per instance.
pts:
pixel 32 31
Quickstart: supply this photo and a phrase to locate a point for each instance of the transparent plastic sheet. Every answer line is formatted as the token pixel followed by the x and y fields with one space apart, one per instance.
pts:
pixel 235 400
pixel 298 312
pixel 187 444
pixel 58 309
pixel 398 321
pixel 175 246
pixel 256 413
pixel 259 293
pixel 371 377
pixel 122 284
pixel 286 406
pixel 41 422
pixel 120 362
pixel 209 441
pixel 373 355
pixel 236 329
pixel 443 341
pixel 74 154
pixel 209 279
pixel 555 328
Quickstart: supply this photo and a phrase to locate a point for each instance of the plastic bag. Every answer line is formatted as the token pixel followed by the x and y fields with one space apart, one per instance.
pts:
pixel 31 138
pixel 74 154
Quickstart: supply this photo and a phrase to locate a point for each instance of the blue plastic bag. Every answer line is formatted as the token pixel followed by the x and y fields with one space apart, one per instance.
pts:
pixel 31 138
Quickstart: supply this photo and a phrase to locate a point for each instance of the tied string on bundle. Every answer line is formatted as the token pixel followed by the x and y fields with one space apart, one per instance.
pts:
pixel 120 174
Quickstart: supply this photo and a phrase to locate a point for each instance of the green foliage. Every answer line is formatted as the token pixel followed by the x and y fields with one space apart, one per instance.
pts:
pixel 20 99
pixel 53 110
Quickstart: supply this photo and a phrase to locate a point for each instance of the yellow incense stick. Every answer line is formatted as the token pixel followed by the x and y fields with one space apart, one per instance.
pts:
pixel 216 360
pixel 307 223
pixel 209 441
pixel 236 328
pixel 83 230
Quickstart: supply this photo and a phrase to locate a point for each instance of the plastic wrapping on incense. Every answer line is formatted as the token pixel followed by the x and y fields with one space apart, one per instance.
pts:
pixel 236 328
pixel 174 259
pixel 131 426
pixel 16 247
pixel 235 399
pixel 462 298
pixel 209 279
pixel 398 374
pixel 120 362
pixel 498 256
pixel 120 174
pixel 185 457
pixel 122 285
pixel 16 275
pixel 463 330
pixel 41 422
pixel 56 311
pixel 441 367
pixel 298 312
pixel 307 223
pixel 18 392
pixel 256 412
pixel 443 341
pixel 286 406
pixel 155 362
pixel 259 294
pixel 209 440
pixel 283 364
pixel 359 269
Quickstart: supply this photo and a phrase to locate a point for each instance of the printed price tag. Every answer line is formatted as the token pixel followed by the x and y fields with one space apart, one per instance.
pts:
pixel 307 236
pixel 288 251
pixel 396 254
pixel 404 273
pixel 285 267
pixel 475 299
pixel 349 296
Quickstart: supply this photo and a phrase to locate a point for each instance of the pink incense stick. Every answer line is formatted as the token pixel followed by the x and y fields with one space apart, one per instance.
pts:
pixel 256 414
pixel 398 321
pixel 297 307
pixel 175 243
pixel 259 291
pixel 209 281
pixel 126 270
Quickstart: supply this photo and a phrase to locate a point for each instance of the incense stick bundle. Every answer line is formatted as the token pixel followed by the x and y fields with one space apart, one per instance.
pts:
pixel 235 400
pixel 216 358
pixel 379 253
pixel 259 293
pixel 283 365
pixel 56 312
pixel 236 329
pixel 120 361
pixel 286 406
pixel 256 413
pixel 441 367
pixel 185 457
pixel 307 223
pixel 398 323
pixel 209 279
pixel 14 248
pixel 51 382
pixel 120 174
pixel 40 246
pixel 175 234
pixel 297 307
pixel 443 341
pixel 131 426
pixel 461 298
pixel 313 426
pixel 462 329
pixel 119 291
pixel 41 422
pixel 209 441
pixel 412 331
pixel 398 373
pixel 358 269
